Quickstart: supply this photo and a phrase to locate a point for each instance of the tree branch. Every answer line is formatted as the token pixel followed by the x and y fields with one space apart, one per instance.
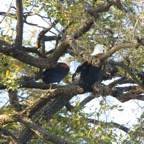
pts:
pixel 13 98
pixel 41 62
pixel 33 50
pixel 44 134
pixel 122 65
pixel 80 32
pixel 105 7
pixel 46 114
pixel 19 26
pixel 102 123
pixel 43 32
pixel 22 56
pixel 51 38
pixel 123 97
pixel 70 90
pixel 98 61
pixel 132 94
pixel 110 124
pixel 9 135
pixel 69 107
pixel 87 99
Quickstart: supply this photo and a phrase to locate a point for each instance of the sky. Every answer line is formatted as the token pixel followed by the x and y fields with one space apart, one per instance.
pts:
pixel 132 109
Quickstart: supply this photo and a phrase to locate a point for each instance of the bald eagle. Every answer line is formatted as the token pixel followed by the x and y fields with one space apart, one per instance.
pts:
pixel 89 74
pixel 58 73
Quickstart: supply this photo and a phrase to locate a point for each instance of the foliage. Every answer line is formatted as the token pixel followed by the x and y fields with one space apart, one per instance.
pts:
pixel 116 24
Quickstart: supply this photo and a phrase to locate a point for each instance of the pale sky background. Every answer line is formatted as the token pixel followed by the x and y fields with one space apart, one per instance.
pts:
pixel 132 109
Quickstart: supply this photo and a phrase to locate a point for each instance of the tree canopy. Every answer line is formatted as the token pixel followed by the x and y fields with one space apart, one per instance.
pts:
pixel 31 111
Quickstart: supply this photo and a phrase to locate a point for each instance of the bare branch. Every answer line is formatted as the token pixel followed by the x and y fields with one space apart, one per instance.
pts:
pixel 50 38
pixel 37 85
pixel 70 90
pixel 99 89
pixel 87 99
pixel 19 26
pixel 132 94
pixel 24 83
pixel 110 124
pixel 33 50
pixel 117 48
pixel 108 54
pixel 69 107
pixel 43 32
pixel 21 55
pixel 33 24
pixel 119 81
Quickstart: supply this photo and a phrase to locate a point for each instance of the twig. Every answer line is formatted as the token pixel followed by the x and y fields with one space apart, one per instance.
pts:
pixel 6 12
